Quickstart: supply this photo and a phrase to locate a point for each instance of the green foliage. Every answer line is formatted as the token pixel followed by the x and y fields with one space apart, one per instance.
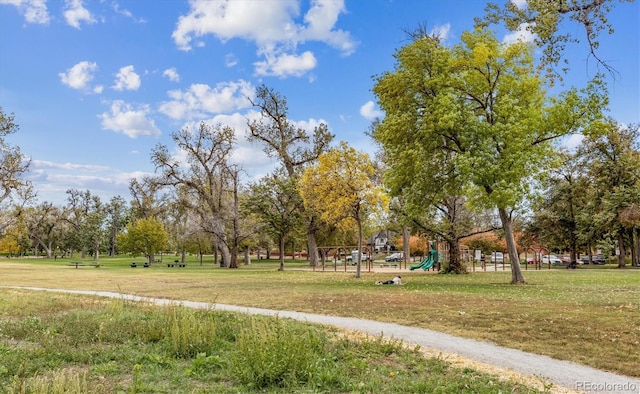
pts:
pixel 276 202
pixel 189 334
pixel 274 352
pixel 144 237
pixel 474 120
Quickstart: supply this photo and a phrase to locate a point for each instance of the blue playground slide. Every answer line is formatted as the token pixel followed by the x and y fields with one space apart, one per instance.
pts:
pixel 425 264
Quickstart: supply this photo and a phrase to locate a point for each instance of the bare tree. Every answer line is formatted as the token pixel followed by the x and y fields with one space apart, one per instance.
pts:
pixel 13 188
pixel 293 146
pixel 207 173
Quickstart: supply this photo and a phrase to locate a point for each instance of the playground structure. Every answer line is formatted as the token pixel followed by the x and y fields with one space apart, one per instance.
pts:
pixel 427 262
pixel 332 257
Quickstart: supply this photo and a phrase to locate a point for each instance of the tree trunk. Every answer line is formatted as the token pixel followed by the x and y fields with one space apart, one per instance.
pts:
pixel 281 248
pixel 226 256
pixel 406 248
pixel 312 243
pixel 454 258
pixel 247 256
pixel 636 242
pixel 621 249
pixel 96 253
pixel 234 256
pixel 359 261
pixel 516 271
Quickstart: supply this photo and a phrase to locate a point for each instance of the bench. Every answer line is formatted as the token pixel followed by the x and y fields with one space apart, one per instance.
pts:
pixel 76 264
pixel 389 265
pixel 176 263
pixel 145 265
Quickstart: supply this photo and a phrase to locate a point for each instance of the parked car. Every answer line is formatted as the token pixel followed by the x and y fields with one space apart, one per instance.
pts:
pixel 551 258
pixel 496 257
pixel 353 258
pixel 394 257
pixel 565 259
pixel 596 258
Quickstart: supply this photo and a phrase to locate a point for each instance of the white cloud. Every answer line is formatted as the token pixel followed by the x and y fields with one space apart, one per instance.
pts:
pixel 67 166
pixel 321 19
pixel 571 142
pixel 172 74
pixel 34 11
pixel 54 179
pixel 128 121
pixel 201 99
pixel 76 13
pixel 230 60
pixel 273 26
pixel 522 34
pixel 127 79
pixel 79 76
pixel 125 12
pixel 520 4
pixel 369 111
pixel 441 31
pixel 286 65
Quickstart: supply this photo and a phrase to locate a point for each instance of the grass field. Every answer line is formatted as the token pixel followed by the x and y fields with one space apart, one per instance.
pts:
pixel 590 315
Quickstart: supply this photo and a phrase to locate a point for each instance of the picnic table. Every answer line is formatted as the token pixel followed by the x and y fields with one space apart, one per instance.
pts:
pixel 76 264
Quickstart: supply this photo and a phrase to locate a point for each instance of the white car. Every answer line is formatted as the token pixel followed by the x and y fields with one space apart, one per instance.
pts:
pixel 353 258
pixel 496 257
pixel 555 260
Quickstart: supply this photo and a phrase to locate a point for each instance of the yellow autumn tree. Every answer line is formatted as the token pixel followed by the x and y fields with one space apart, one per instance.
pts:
pixel 341 190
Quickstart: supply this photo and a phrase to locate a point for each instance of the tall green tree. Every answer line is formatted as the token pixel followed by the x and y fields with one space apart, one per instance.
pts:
pixel 341 189
pixel 144 237
pixel 276 202
pixel 612 157
pixel 117 215
pixel 293 146
pixel 482 105
pixel 556 222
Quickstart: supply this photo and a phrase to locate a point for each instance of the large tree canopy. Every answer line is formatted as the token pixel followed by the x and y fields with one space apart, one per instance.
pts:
pixel 341 190
pixel 482 106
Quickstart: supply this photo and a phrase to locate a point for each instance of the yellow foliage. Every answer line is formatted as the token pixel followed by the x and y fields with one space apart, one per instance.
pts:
pixel 340 187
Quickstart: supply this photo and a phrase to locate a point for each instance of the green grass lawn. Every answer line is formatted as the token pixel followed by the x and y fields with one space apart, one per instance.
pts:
pixel 589 315
pixel 57 343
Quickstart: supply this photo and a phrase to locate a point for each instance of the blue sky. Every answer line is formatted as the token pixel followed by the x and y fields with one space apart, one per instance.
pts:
pixel 95 85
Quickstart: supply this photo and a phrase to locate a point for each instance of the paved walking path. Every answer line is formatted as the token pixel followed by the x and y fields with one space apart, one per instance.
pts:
pixel 562 374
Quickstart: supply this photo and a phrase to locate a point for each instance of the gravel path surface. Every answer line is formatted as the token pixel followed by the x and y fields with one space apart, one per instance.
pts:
pixel 565 376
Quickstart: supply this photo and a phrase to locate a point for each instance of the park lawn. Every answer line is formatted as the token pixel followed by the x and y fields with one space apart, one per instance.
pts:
pixel 71 344
pixel 589 316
